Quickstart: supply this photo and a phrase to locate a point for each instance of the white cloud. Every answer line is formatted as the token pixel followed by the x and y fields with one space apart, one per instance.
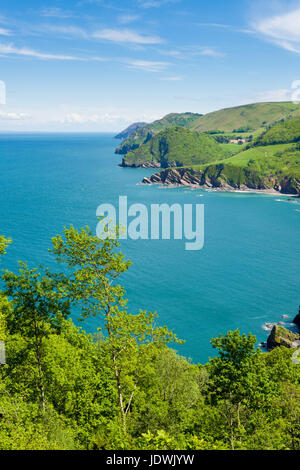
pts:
pixel 126 19
pixel 4 32
pixel 211 53
pixel 106 117
pixel 147 65
pixel 171 79
pixel 216 25
pixel 283 30
pixel 155 3
pixel 10 49
pixel 274 95
pixel 66 30
pixel 72 118
pixel 126 36
pixel 192 51
pixel 7 49
pixel 56 13
pixel 14 116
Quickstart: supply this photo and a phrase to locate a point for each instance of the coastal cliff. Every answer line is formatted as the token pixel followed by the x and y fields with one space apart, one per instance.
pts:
pixel 224 177
pixel 297 319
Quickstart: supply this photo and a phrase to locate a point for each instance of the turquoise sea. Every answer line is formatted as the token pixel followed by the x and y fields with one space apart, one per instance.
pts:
pixel 247 274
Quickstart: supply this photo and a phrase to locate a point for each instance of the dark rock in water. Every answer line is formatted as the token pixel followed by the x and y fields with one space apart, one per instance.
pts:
pixel 280 336
pixel 297 319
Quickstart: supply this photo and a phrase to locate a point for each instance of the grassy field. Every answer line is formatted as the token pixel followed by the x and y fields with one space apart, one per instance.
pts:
pixel 252 117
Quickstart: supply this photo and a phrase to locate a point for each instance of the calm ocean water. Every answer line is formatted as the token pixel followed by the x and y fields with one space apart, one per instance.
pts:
pixel 247 274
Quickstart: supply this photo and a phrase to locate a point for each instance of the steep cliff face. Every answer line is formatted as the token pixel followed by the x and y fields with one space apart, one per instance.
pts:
pixel 290 185
pixel 224 177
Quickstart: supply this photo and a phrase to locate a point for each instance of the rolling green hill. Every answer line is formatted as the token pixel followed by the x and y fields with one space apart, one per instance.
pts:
pixel 175 147
pixel 252 117
pixel 281 133
pixel 144 134
pixel 263 167
pixel 130 130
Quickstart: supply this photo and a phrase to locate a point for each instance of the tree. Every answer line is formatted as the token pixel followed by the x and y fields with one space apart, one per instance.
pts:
pixel 239 380
pixel 4 242
pixel 4 305
pixel 37 306
pixel 129 338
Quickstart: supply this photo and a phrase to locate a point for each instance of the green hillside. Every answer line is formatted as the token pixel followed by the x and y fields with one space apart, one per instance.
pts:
pixel 144 134
pixel 263 167
pixel 274 166
pixel 281 133
pixel 176 146
pixel 251 117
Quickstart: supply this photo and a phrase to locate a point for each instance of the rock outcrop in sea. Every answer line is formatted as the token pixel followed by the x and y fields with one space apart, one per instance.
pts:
pixel 281 336
pixel 297 319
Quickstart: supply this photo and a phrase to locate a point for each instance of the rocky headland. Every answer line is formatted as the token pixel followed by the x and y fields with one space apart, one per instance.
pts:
pixel 282 336
pixel 224 178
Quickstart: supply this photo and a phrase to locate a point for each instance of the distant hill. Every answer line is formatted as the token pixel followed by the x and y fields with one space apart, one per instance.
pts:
pixel 144 134
pixel 130 130
pixel 248 118
pixel 271 162
pixel 176 147
pixel 267 169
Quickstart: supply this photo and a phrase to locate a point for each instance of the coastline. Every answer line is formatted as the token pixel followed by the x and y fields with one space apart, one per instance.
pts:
pixel 270 192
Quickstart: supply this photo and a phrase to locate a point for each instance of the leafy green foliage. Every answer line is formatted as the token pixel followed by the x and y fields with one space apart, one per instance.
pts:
pixel 283 133
pixel 125 388
pixel 176 147
pixel 4 242
pixel 144 134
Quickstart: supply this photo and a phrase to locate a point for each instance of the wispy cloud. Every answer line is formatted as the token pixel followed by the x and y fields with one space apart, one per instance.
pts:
pixel 210 53
pixel 225 27
pixel 147 65
pixel 155 3
pixel 14 116
pixel 171 79
pixel 127 18
pixel 126 36
pixel 282 29
pixel 66 30
pixel 77 118
pixel 10 49
pixel 56 13
pixel 274 95
pixel 5 32
pixel 215 25
pixel 193 51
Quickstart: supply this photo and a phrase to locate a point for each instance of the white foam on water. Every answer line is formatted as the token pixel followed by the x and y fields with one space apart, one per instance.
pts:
pixel 268 326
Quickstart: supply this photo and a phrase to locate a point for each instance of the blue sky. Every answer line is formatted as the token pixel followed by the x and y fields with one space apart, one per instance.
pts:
pixel 98 65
